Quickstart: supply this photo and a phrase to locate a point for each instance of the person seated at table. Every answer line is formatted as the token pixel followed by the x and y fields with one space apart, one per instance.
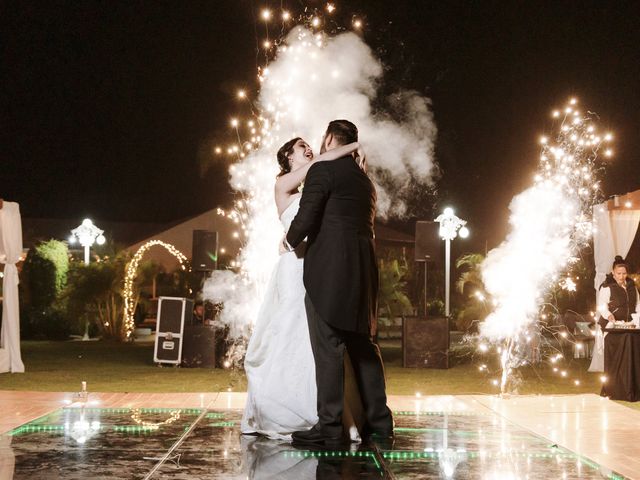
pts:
pixel 618 296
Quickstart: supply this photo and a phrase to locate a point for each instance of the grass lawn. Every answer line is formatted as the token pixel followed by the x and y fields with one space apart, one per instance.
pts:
pixel 115 367
pixel 110 367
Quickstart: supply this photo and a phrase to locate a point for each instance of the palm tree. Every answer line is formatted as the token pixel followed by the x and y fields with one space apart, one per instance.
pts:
pixel 392 299
pixel 472 277
pixel 471 281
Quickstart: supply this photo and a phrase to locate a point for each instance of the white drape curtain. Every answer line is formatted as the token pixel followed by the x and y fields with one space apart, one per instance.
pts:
pixel 615 231
pixel 10 251
pixel 624 225
pixel 603 244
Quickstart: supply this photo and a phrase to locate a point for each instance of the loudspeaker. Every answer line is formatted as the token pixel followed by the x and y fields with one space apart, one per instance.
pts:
pixel 204 251
pixel 425 342
pixel 172 313
pixel 199 348
pixel 428 241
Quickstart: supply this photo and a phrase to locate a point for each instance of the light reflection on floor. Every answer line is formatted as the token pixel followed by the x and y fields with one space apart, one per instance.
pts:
pixel 177 444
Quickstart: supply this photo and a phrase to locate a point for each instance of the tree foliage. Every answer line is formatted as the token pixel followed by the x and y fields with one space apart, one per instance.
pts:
pixel 94 293
pixel 45 273
pixel 392 297
pixel 43 278
pixel 470 282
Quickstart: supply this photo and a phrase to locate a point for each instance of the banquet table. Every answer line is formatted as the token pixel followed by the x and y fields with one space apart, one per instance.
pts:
pixel 622 364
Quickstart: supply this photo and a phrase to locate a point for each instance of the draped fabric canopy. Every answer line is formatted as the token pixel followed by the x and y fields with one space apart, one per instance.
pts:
pixel 10 251
pixel 616 223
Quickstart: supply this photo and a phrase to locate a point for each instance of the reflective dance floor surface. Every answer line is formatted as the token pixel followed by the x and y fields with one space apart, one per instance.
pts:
pixel 436 437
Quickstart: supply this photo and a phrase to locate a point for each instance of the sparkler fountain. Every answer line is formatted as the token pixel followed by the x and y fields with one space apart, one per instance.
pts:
pixel 550 223
pixel 313 78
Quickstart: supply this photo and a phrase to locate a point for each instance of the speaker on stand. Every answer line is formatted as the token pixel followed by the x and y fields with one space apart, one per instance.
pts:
pixel 205 345
pixel 204 256
pixel 204 251
pixel 427 250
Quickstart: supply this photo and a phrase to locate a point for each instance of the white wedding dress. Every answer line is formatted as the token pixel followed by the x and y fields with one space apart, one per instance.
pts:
pixel 279 364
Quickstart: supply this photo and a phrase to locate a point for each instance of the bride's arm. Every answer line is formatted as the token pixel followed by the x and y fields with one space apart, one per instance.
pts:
pixel 290 181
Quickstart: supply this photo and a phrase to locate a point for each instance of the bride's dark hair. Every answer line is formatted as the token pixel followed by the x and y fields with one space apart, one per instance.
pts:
pixel 283 156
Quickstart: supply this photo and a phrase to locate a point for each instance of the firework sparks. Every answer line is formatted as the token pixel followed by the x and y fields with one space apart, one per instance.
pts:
pixel 314 78
pixel 550 222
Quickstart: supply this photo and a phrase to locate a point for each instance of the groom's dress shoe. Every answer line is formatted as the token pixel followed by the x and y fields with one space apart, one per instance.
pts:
pixel 316 437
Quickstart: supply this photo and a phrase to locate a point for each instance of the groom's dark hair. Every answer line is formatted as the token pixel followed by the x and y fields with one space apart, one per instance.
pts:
pixel 343 131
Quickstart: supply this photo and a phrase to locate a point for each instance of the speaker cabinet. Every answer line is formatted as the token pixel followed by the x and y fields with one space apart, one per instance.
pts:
pixel 425 342
pixel 428 242
pixel 172 313
pixel 204 251
pixel 199 348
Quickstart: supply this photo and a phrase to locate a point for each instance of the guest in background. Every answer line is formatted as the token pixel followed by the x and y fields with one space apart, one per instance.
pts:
pixel 618 296
pixel 198 313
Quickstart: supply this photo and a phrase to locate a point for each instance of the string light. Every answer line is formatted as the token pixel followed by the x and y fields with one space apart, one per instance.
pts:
pixel 132 272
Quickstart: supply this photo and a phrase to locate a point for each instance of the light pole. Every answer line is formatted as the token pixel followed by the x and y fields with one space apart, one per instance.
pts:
pixel 450 227
pixel 87 234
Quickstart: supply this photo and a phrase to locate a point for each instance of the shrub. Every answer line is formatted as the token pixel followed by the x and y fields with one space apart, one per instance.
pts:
pixel 43 278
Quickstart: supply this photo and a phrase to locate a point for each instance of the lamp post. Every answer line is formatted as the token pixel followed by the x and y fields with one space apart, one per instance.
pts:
pixel 87 234
pixel 450 227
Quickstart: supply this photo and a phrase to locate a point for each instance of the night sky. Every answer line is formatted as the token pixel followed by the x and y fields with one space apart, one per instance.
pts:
pixel 107 106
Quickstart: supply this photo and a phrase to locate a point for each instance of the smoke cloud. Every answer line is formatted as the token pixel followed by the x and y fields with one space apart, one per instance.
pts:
pixel 313 80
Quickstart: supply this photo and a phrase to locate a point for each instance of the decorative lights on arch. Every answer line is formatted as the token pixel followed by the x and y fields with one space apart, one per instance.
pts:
pixel 132 271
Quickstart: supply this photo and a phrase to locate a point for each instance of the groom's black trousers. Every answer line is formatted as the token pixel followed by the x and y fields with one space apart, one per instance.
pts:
pixel 328 345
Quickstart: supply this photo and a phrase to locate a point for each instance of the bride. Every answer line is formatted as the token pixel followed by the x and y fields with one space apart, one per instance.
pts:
pixel 279 364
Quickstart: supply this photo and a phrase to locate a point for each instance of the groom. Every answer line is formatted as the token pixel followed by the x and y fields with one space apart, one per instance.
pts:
pixel 336 215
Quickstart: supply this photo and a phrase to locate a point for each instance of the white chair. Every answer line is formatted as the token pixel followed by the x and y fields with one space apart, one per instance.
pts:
pixel 597 361
pixel 582 347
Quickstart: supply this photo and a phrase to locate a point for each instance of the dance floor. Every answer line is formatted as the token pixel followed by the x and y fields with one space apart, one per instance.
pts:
pixel 191 436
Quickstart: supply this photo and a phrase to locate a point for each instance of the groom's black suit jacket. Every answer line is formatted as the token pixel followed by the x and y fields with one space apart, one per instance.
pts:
pixel 336 213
